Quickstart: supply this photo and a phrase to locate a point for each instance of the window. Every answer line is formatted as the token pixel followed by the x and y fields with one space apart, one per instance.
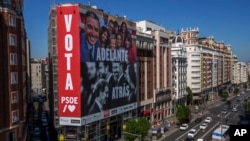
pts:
pixel 23 44
pixel 14 78
pixel 13 40
pixel 13 59
pixel 11 136
pixel 14 97
pixel 12 21
pixel 24 76
pixel 149 29
pixel 15 115
pixel 23 61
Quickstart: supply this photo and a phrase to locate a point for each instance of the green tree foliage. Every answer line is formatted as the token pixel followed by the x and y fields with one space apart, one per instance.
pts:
pixel 183 113
pixel 236 91
pixel 248 106
pixel 189 96
pixel 139 126
pixel 224 95
pixel 245 85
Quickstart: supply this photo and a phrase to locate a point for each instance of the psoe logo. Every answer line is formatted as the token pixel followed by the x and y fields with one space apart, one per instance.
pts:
pixel 240 132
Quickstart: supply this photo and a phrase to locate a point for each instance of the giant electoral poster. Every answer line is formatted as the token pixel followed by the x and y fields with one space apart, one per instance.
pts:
pixel 97 68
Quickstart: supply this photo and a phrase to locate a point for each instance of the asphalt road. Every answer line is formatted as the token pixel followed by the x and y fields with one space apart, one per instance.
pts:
pixel 214 111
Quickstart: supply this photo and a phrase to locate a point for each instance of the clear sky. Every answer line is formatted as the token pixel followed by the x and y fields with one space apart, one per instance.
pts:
pixel 226 20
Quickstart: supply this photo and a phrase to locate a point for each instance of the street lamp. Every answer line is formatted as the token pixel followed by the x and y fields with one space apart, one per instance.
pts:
pixel 123 129
pixel 86 136
pixel 108 128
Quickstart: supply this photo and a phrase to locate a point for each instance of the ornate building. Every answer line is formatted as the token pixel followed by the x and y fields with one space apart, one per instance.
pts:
pixel 179 69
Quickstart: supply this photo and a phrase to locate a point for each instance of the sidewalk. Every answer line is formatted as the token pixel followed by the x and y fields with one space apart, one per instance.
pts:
pixel 208 105
pixel 173 128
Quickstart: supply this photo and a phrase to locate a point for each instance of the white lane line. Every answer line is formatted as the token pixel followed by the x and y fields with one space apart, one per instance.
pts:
pixel 188 131
pixel 210 129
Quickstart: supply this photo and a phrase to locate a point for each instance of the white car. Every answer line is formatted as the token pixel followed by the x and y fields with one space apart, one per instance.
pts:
pixel 208 119
pixel 192 133
pixel 234 109
pixel 224 111
pixel 203 126
pixel 201 139
pixel 184 126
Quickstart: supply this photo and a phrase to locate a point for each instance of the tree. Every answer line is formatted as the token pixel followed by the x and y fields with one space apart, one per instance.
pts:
pixel 224 95
pixel 236 91
pixel 245 85
pixel 248 106
pixel 138 127
pixel 189 96
pixel 183 113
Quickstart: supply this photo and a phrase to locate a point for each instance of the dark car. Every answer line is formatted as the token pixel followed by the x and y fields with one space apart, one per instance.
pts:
pixel 231 106
pixel 189 138
pixel 228 102
pixel 198 120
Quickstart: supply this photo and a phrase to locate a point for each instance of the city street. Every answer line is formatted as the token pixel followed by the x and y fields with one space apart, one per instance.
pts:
pixel 214 111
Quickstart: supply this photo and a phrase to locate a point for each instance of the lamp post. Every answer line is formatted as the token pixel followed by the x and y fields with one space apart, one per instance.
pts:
pixel 123 130
pixel 86 136
pixel 108 128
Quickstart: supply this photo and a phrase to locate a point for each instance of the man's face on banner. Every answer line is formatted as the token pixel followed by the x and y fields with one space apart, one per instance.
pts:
pixel 101 70
pixel 116 70
pixel 91 70
pixel 92 30
pixel 104 95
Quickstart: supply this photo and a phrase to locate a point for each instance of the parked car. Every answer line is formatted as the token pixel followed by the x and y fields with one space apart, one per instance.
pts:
pixel 234 109
pixel 192 133
pixel 224 111
pixel 230 106
pixel 208 119
pixel 203 126
pixel 184 126
pixel 36 134
pixel 44 122
pixel 189 139
pixel 198 120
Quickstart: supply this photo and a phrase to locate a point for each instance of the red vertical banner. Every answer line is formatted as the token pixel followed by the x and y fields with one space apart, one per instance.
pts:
pixel 69 96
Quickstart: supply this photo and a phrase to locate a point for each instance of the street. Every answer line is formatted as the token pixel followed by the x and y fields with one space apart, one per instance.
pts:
pixel 214 111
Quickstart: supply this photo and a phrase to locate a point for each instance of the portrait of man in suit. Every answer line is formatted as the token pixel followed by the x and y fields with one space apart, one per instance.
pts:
pixel 89 37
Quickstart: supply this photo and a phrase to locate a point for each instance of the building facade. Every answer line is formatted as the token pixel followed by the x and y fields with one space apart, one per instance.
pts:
pixel 242 72
pixel 209 65
pixel 162 67
pixel 14 81
pixel 179 69
pixel 109 121
pixel 145 45
pixel 38 79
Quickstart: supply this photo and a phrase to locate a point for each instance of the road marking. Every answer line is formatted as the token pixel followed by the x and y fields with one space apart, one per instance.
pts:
pixel 188 131
pixel 210 129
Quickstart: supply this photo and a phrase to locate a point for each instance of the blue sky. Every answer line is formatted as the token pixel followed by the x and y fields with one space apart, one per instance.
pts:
pixel 226 20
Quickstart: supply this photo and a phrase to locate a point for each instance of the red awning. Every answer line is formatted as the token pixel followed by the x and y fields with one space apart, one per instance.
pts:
pixel 148 111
